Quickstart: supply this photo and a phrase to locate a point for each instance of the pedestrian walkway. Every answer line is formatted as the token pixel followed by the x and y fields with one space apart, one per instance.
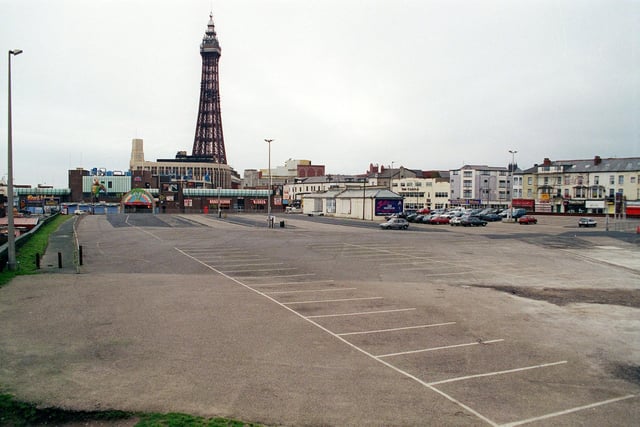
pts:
pixel 60 256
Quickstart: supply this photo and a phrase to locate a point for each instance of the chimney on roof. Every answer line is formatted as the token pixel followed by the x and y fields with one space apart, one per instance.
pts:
pixel 597 160
pixel 546 162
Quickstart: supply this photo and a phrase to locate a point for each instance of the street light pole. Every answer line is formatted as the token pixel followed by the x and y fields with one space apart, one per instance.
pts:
pixel 364 194
pixel 11 237
pixel 268 141
pixel 511 166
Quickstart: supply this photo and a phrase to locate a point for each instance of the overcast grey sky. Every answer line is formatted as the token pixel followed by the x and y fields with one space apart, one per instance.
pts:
pixel 427 84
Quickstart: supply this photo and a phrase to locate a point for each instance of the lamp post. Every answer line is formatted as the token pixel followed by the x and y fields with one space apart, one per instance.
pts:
pixel 11 237
pixel 268 141
pixel 392 175
pixel 511 166
pixel 219 208
pixel 364 194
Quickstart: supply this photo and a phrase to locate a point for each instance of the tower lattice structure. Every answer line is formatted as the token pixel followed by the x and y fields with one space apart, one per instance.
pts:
pixel 209 141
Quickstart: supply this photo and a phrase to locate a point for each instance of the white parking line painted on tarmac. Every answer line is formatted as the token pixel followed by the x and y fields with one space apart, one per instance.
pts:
pixel 274 277
pixel 331 300
pixel 422 350
pixel 353 346
pixel 373 255
pixel 234 258
pixel 568 411
pixel 223 265
pixel 437 274
pixel 259 269
pixel 311 291
pixel 404 328
pixel 309 282
pixel 360 313
pixel 490 374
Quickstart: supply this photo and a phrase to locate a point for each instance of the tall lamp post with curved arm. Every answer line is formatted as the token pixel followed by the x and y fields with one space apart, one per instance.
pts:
pixel 511 167
pixel 11 237
pixel 268 141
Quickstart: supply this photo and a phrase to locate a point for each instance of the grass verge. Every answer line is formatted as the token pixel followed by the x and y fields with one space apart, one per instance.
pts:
pixel 19 414
pixel 26 254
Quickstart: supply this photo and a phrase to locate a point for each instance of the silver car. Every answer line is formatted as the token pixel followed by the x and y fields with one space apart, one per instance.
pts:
pixel 395 223
pixel 587 222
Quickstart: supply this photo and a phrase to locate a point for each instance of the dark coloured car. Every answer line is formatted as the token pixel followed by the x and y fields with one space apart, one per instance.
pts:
pixel 412 217
pixel 527 219
pixel 490 217
pixel 472 221
pixel 587 222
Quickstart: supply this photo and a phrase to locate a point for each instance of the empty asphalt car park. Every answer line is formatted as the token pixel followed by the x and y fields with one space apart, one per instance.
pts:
pixel 322 323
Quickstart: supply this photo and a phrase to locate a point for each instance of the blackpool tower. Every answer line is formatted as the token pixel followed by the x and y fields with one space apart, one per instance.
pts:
pixel 209 142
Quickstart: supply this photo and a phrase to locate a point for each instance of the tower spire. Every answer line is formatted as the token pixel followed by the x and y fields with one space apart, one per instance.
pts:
pixel 209 140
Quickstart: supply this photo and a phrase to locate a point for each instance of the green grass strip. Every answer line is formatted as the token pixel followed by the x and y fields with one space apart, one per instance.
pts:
pixel 26 254
pixel 20 414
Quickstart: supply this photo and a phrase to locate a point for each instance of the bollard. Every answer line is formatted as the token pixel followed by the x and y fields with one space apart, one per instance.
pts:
pixel 38 261
pixel 59 259
pixel 80 254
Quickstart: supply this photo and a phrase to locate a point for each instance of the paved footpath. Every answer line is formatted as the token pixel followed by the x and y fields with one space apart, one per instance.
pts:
pixel 61 254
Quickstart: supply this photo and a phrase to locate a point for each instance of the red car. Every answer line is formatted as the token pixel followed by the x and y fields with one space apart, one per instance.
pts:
pixel 439 220
pixel 527 219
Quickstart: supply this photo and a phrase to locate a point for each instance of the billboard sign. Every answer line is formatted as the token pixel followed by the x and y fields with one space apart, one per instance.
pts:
pixel 388 206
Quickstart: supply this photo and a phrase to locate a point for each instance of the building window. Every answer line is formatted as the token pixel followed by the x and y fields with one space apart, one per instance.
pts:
pixel 596 180
pixel 620 179
pixel 467 183
pixel 468 173
pixel 612 180
pixel 529 180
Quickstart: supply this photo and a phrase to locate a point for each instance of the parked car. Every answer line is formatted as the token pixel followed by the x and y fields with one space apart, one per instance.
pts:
pixel 412 217
pixel 456 220
pixel 423 211
pixel 316 213
pixel 293 210
pixel 439 220
pixel 490 217
pixel 587 222
pixel 527 219
pixel 396 215
pixel 472 221
pixel 426 219
pixel 395 223
pixel 515 213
